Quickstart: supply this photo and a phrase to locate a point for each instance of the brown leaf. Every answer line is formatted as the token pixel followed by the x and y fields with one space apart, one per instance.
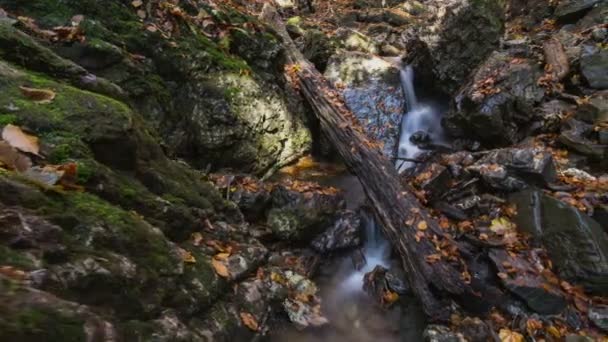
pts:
pixel 15 137
pixel 220 268
pixel 137 3
pixel 187 257
pixel 507 335
pixel 389 297
pixel 41 96
pixel 12 159
pixel 249 321
pixel 197 239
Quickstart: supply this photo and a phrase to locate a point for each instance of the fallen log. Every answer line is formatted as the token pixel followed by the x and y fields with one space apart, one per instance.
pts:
pixel 427 254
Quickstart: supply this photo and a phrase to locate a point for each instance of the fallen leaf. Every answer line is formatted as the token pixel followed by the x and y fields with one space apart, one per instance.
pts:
pixel 49 175
pixel 221 256
pixel 12 159
pixel 501 225
pixel 197 239
pixel 422 225
pixel 187 257
pixel 137 3
pixel 24 142
pixel 220 268
pixel 389 297
pixel 507 335
pixel 249 321
pixel 41 96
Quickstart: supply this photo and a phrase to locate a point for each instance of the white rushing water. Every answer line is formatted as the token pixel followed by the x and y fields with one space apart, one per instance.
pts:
pixel 376 251
pixel 418 118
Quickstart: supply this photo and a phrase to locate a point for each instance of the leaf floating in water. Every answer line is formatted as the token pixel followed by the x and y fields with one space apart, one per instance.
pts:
pixel 220 268
pixel 12 159
pixel 249 321
pixel 24 142
pixel 41 96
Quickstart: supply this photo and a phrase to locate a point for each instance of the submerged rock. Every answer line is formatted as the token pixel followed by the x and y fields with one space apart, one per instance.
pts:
pixel 577 245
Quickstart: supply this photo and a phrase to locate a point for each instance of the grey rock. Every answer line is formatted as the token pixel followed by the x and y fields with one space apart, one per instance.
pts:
pixel 575 242
pixel 575 136
pixel 599 316
pixel 372 91
pixel 440 333
pixel 594 66
pixel 498 113
pixel 515 169
pixel 345 233
pixel 569 10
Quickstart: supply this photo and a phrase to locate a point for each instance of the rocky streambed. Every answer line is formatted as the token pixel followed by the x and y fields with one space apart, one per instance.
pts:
pixel 152 185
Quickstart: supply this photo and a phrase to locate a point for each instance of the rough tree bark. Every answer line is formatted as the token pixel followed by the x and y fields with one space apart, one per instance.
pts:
pixel 413 232
pixel 555 56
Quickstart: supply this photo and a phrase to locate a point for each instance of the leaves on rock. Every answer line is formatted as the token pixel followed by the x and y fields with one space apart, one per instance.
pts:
pixel 12 159
pixel 20 140
pixel 41 96
pixel 507 335
pixel 220 268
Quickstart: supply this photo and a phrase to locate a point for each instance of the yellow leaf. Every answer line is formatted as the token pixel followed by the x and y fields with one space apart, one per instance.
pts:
pixel 221 256
pixel 249 321
pixel 15 137
pixel 137 3
pixel 501 225
pixel 422 225
pixel 389 297
pixel 187 257
pixel 197 238
pixel 220 268
pixel 41 96
pixel 507 335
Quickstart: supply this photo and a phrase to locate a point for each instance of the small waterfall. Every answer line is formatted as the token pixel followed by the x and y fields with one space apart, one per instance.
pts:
pixel 376 250
pixel 418 118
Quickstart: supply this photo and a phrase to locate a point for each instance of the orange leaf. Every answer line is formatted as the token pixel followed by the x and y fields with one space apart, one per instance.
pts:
pixel 41 96
pixel 249 321
pixel 422 225
pixel 220 268
pixel 20 140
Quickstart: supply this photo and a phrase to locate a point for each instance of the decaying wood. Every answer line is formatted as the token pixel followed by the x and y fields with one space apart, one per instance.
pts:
pixel 412 231
pixel 555 56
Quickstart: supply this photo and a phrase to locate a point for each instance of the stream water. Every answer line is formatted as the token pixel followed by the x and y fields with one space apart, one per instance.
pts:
pixel 354 316
pixel 422 121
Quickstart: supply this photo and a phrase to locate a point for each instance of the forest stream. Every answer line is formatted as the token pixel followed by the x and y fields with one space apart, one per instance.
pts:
pixel 303 170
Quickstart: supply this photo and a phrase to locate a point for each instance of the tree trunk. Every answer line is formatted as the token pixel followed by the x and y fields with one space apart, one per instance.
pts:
pixel 426 252
pixel 555 56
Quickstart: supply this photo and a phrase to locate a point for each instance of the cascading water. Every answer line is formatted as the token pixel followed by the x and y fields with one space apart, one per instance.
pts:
pixel 418 118
pixel 376 251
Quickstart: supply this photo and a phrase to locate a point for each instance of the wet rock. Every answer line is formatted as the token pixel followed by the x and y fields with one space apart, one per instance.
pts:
pixel 433 179
pixel 515 169
pixel 576 135
pixel 384 286
pixel 570 10
pixel 371 88
pixel 27 314
pixel 22 230
pixel 458 36
pixel 475 330
pixel 576 243
pixel 497 103
pixel 599 316
pixel 345 233
pixel 526 283
pixel 316 47
pixel 249 193
pixel 594 63
pixel 301 215
pixel 577 338
pixel 440 333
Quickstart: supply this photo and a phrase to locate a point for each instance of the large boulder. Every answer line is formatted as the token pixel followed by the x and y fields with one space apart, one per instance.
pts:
pixel 455 39
pixel 570 10
pixel 575 242
pixel 371 88
pixel 594 63
pixel 497 103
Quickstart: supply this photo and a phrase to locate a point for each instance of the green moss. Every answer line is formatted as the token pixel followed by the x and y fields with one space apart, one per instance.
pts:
pixel 41 324
pixel 6 119
pixel 10 257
